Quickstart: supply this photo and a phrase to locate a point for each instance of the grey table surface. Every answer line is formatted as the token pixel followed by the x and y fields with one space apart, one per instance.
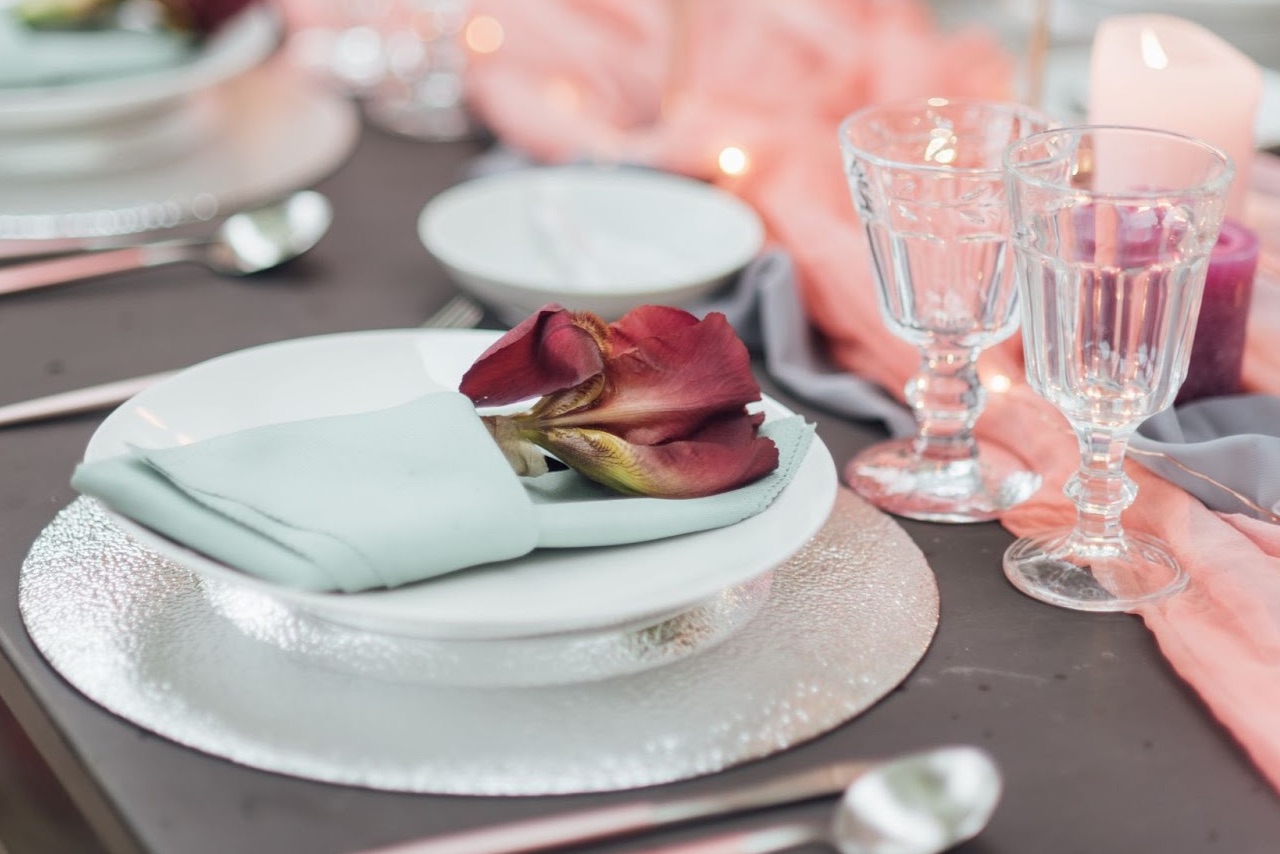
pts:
pixel 1103 747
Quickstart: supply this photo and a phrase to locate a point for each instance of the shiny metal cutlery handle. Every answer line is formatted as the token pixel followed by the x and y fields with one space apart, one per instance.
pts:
pixel 30 275
pixel 536 834
pixel 591 825
pixel 762 841
pixel 80 400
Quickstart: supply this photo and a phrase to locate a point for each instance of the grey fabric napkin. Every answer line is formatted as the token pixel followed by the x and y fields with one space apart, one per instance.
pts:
pixel 765 309
pixel 1223 450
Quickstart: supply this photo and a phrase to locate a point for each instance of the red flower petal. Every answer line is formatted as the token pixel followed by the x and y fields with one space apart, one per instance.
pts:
pixel 654 404
pixel 667 386
pixel 724 455
pixel 552 350
pixel 646 321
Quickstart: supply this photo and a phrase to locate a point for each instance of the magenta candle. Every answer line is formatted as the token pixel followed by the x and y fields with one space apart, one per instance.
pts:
pixel 1218 350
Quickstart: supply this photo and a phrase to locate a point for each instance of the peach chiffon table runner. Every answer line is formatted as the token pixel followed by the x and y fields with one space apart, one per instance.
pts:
pixel 672 84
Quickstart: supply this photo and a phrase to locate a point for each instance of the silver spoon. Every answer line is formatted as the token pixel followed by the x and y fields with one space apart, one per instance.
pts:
pixel 920 804
pixel 246 242
pixel 917 804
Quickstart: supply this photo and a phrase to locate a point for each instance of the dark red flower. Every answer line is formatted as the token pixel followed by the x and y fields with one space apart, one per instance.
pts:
pixel 654 404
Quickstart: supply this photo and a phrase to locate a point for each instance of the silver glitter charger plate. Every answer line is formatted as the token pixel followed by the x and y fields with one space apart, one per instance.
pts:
pixel 553 659
pixel 845 621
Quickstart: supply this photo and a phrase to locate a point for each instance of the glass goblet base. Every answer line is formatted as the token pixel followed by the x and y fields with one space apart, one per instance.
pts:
pixel 1064 569
pixel 896 478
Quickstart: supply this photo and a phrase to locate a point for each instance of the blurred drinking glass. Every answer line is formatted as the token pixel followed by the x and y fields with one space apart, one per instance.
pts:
pixel 422 95
pixel 339 41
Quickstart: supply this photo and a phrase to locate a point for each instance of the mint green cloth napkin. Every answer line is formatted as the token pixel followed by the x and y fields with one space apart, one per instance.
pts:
pixel 386 498
pixel 41 58
pixel 350 502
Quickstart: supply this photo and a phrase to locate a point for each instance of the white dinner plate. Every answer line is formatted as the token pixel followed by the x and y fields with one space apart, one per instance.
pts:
pixel 603 239
pixel 549 591
pixel 239 45
pixel 264 134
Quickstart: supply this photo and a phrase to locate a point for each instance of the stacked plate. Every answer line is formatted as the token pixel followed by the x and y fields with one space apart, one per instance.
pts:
pixel 91 98
pixel 570 670
pixel 86 121
pixel 93 155
pixel 553 616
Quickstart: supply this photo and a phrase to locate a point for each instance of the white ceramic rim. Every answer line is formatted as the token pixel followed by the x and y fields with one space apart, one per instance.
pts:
pixel 619 181
pixel 276 132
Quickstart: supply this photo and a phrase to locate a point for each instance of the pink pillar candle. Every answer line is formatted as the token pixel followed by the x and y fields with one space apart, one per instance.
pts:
pixel 1218 350
pixel 1163 72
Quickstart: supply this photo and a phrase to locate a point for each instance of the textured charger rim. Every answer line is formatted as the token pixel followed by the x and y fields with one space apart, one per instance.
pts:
pixel 848 618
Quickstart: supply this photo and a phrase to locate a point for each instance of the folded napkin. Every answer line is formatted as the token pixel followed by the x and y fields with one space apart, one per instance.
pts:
pixel 43 58
pixel 1223 450
pixel 385 498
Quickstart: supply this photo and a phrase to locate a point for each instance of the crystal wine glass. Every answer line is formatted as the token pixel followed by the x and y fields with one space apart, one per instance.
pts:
pixel 927 181
pixel 1112 229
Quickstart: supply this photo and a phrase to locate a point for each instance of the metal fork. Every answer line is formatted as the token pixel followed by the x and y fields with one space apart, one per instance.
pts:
pixel 460 312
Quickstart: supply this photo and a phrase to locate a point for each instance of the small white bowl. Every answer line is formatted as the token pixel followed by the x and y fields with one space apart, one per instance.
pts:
pixel 590 238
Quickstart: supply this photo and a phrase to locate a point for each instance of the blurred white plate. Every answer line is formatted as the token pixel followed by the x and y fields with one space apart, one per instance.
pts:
pixel 595 238
pixel 255 138
pixel 546 592
pixel 240 44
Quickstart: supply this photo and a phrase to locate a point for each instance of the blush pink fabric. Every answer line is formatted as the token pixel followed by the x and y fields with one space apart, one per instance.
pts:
pixel 672 83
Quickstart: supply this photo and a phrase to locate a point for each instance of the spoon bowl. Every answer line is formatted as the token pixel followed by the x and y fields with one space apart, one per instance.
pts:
pixel 247 242
pixel 255 240
pixel 919 804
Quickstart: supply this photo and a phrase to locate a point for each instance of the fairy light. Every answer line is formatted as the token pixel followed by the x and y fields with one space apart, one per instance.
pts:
pixel 484 34
pixel 733 160
pixel 998 383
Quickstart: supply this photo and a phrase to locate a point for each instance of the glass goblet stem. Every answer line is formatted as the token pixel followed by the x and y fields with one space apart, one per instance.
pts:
pixel 1101 490
pixel 947 398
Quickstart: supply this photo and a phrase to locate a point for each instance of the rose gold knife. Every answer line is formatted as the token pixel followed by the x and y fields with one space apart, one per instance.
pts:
pixel 89 399
pixel 574 828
